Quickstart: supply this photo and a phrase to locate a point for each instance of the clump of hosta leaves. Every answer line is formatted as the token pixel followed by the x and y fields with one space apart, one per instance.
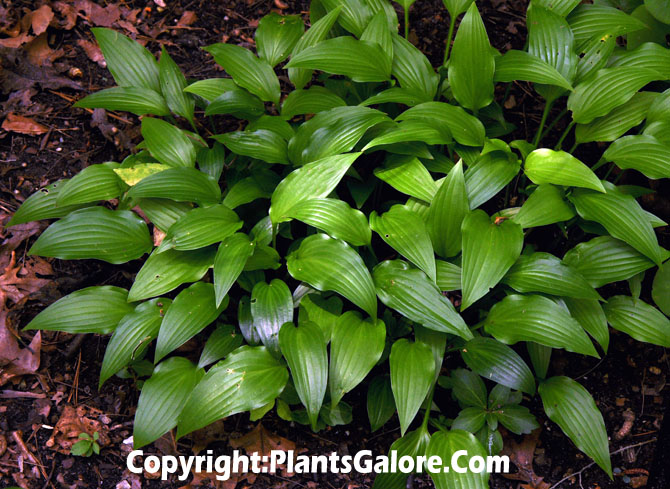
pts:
pixel 358 229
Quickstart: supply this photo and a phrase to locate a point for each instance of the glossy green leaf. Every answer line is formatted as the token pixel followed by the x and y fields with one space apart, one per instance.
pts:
pixel 594 56
pixel 42 205
pixel 326 263
pixel 271 307
pixel 412 371
pixel 132 175
pixel 211 88
pixel 246 322
pixel 489 250
pixel 538 319
pixel 560 168
pixel 277 35
pixel 469 388
pixel 643 153
pixel 489 175
pixel 560 7
pixel 589 21
pixel 377 31
pixel 638 319
pixel 89 310
pixel 163 213
pixel 95 232
pixel 570 406
pixel 660 9
pixel 465 128
pixel 310 101
pixel 519 65
pixel 354 16
pixel 411 131
pixel 517 419
pixel 136 100
pixel 179 184
pixel 334 217
pixel 660 290
pixel 305 351
pixel 201 227
pixel 407 175
pixel 167 143
pixel 413 70
pixel 546 205
pixel 445 444
pixel 96 182
pixel 448 275
pixel 410 292
pixel 380 403
pixel 238 103
pixel 172 83
pixel 323 312
pixel 413 444
pixel 261 144
pixel 229 262
pixel 589 313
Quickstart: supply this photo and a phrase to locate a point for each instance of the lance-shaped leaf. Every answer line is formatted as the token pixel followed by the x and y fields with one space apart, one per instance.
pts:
pixel 356 346
pixel 456 7
pixel 410 292
pixel 544 272
pixel 229 262
pixel 647 55
pixel 447 210
pixel 572 408
pixel 412 375
pixel 354 16
pixel 276 36
pixel 498 362
pixel 407 175
pixel 608 89
pixel 448 275
pixel 311 101
pixel 413 444
pixel 412 69
pixel 465 128
pixel 305 351
pixel 211 88
pixel 469 388
pixel 272 123
pixel 559 7
pixel 472 65
pixel 324 312
pixel 312 181
pixel 249 72
pixel 445 444
pixel 404 231
pixel 326 263
pixel 489 175
pixel 261 144
pixel 129 62
pixel 163 213
pixel 622 216
pixel 162 399
pixel 201 227
pixel 380 403
pixel 638 319
pixel 133 334
pixel 560 168
pixel 249 378
pixel 193 309
pixel 589 313
pixel 172 83
pixel 520 65
pixel 179 184
pixel 136 100
pixel 362 61
pixel 89 310
pixel 489 250
pixel 163 272
pixel 538 319
pixel 546 205
pixel 223 340
pixel 96 182
pixel 95 232
pixel 659 9
pixel 589 21
pixel 378 31
pixel 167 143
pixel 595 56
pixel 411 131
pixel 238 103
pixel 42 205
pixel 134 174
pixel 271 307
pixel 335 217
pixel 660 290
pixel 643 153
pixel 212 160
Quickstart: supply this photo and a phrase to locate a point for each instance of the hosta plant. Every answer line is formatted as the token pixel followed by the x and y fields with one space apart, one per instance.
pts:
pixel 371 218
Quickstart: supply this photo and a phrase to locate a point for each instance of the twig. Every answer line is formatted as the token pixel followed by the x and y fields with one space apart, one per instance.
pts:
pixel 18 439
pixel 74 345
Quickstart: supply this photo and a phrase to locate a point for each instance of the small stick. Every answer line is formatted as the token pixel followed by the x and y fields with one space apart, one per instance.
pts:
pixel 17 437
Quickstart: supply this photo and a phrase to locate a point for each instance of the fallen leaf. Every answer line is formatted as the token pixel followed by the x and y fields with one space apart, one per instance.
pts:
pixel 97 15
pixel 521 455
pixel 40 53
pixel 262 441
pixel 40 19
pixel 93 52
pixel 74 421
pixel 187 18
pixel 68 14
pixel 23 125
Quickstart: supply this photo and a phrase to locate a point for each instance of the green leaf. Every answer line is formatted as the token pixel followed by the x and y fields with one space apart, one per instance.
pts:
pixel 660 290
pixel 311 101
pixel 42 205
pixel 272 123
pixel 448 276
pixel 334 217
pixel 132 175
pixel 572 408
pixel 546 205
pixel 607 89
pixel 326 263
pixel 163 213
pixel 638 319
pixel 223 340
pixel 323 312
pixel 96 182
pixel 249 72
pixel 411 131
pixel 305 351
pixel 447 210
pixel 604 260
pixel 131 64
pixel 543 272
pixel 407 175
pixel 489 250
pixel 249 378
pixel 163 397
pixel 445 444
pixel 595 56
pixel 660 9
pixel 211 88
pixel 517 419
pixel 261 144
pixel 136 100
pixel 212 160
pixel 277 35
pixel 377 31
pixel 396 95
pixel 89 310
pixel 456 7
pixel 271 307
pixel 589 21
pixel 519 65
pixel 380 403
pixel 314 180
pixel 489 175
pixel 643 153
pixel 560 168
pixel 468 388
pixel 413 70
pixel 133 334
pixel 362 61
pixel 413 444
pixel 540 356
pixel 163 272
pixel 179 184
pixel 172 83
pixel 246 322
pixel 354 16
pixel 559 7
pixel 229 262
pixel 167 143
pixel 192 311
pixel 356 346
pixel 470 419
pixel 314 35
pixel 410 292
pixel 201 227
pixel 618 121
pixel 538 319
pixel 412 375
pixel 238 103
pixel 622 216
pixel 589 313
pixel 498 362
pixel 95 232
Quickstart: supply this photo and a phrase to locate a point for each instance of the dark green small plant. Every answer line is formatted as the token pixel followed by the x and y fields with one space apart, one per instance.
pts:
pixel 86 446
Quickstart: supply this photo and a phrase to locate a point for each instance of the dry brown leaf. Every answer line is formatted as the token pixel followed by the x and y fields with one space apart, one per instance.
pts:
pixel 93 52
pixel 68 14
pixel 39 19
pixel 521 455
pixel 97 15
pixel 262 441
pixel 40 53
pixel 187 18
pixel 23 125
pixel 72 422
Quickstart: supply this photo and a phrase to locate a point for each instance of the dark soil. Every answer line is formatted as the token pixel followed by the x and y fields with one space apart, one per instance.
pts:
pixel 631 377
